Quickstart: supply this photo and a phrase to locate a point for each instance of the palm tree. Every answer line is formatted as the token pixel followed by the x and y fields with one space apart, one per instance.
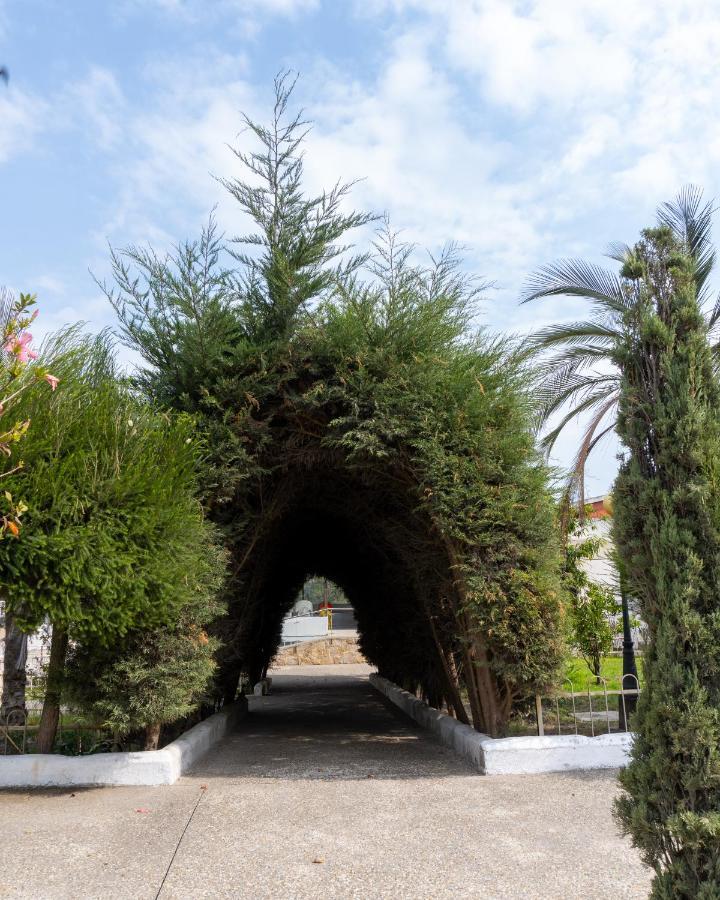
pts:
pixel 579 377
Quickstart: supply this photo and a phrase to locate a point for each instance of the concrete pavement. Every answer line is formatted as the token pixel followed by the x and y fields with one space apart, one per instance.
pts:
pixel 324 792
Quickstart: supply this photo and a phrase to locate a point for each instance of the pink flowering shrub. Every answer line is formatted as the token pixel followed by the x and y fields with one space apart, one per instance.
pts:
pixel 18 345
pixel 15 354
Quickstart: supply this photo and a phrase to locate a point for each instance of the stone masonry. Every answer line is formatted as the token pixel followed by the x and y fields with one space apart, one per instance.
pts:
pixel 326 652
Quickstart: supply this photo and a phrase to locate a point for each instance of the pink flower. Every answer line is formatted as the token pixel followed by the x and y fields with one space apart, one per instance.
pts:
pixel 17 345
pixel 52 381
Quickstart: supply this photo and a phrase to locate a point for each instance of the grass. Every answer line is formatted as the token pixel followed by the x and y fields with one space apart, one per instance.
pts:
pixel 577 671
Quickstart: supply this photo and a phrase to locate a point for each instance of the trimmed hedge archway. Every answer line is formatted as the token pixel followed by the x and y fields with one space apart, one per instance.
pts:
pixel 448 554
pixel 360 426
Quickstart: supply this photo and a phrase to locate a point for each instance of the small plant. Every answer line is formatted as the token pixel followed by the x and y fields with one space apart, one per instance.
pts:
pixel 593 606
pixel 18 372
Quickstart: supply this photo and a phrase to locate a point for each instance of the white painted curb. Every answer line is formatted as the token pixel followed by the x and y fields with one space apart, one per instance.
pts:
pixel 516 755
pixel 141 768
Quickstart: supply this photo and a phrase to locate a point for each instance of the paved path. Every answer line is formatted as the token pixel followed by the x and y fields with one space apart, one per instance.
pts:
pixel 325 792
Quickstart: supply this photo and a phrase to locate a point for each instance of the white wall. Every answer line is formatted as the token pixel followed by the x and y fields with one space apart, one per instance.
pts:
pixel 511 756
pixel 602 570
pixel 304 628
pixel 145 767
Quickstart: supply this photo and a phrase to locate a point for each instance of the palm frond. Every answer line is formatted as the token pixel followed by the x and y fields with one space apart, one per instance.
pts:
pixel 570 387
pixel 588 443
pixel 573 333
pixel 575 358
pixel 619 251
pixel 591 401
pixel 7 305
pixel 576 278
pixel 691 222
pixel 714 317
pixel 575 484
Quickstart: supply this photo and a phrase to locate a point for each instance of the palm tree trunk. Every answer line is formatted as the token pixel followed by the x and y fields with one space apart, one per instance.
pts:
pixel 14 673
pixel 53 692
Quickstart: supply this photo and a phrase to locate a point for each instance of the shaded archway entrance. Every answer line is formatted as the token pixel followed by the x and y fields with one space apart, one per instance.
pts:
pixel 413 587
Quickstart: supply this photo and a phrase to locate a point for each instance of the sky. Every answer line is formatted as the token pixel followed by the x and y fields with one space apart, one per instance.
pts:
pixel 525 130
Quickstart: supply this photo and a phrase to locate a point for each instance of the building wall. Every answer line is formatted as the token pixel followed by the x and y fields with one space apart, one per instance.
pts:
pixel 602 569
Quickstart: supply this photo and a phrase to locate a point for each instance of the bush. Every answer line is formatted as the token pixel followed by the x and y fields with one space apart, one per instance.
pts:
pixel 114 534
pixel 154 677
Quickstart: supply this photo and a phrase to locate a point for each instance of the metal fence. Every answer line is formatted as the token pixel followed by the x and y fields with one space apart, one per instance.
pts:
pixel 17 735
pixel 13 732
pixel 580 712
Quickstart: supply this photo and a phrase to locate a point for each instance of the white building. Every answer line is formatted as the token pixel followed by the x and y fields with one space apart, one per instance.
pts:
pixel 602 569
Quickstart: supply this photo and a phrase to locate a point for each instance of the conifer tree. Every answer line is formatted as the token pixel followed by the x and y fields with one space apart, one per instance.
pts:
pixel 667 527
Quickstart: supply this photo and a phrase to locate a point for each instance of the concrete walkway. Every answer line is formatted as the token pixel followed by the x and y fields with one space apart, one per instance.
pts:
pixel 325 792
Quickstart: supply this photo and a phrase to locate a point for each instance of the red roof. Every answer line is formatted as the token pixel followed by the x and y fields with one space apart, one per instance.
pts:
pixel 600 507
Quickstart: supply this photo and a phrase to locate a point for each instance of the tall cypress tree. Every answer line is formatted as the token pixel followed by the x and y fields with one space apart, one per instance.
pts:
pixel 667 527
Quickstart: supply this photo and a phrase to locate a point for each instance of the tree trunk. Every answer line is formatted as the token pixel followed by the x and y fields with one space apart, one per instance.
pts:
pixel 14 674
pixel 449 671
pixel 472 689
pixel 152 735
pixel 487 689
pixel 230 686
pixel 482 685
pixel 53 692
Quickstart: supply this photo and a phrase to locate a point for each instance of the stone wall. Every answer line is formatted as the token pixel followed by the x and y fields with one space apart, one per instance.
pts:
pixel 325 652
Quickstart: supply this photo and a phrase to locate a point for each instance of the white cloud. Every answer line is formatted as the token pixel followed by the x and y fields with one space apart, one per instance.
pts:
pixel 605 83
pixel 283 7
pixel 554 53
pixel 92 105
pixel 173 149
pixel 525 129
pixel 48 284
pixel 96 104
pixel 22 117
pixel 439 174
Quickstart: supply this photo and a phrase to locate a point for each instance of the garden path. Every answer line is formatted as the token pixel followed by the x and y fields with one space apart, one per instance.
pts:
pixel 325 791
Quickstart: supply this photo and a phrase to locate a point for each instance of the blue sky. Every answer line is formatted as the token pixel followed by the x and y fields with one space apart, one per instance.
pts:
pixel 525 130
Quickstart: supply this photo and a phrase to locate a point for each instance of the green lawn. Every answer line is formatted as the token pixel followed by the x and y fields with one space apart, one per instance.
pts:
pixel 582 679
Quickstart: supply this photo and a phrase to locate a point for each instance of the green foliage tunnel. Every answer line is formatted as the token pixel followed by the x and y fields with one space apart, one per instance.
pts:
pixel 358 427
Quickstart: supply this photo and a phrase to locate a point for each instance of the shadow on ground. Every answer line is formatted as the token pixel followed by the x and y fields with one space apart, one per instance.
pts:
pixel 316 725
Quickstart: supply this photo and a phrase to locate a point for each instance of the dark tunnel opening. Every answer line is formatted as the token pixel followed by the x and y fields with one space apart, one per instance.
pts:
pixel 364 536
